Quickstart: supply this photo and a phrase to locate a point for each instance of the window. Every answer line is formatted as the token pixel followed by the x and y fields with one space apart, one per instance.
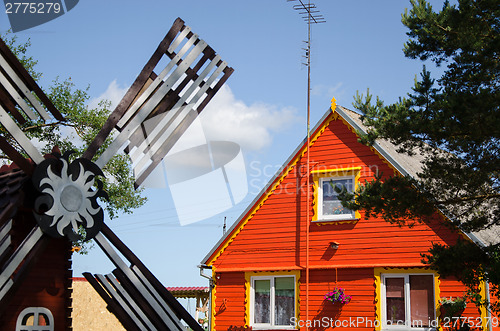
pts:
pixel 35 319
pixel 408 301
pixel 272 301
pixel 328 207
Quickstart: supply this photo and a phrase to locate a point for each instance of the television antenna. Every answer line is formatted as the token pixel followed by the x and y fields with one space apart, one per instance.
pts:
pixel 311 15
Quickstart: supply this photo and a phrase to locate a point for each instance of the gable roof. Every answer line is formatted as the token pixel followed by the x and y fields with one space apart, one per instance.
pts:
pixel 406 165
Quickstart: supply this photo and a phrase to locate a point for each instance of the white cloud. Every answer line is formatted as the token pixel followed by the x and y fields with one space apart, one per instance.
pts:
pixel 114 93
pixel 250 126
pixel 328 90
pixel 229 119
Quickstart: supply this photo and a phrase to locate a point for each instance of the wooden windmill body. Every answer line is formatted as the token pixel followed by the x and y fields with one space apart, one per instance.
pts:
pixel 44 200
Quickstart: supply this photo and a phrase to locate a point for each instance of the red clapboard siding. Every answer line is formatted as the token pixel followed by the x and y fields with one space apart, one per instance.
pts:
pixel 229 307
pixel 357 282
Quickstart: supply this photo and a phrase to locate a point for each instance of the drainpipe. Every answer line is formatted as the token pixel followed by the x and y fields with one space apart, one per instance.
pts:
pixel 210 286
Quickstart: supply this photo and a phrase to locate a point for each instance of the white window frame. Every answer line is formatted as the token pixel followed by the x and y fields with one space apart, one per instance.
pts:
pixel 339 217
pixel 406 277
pixel 252 302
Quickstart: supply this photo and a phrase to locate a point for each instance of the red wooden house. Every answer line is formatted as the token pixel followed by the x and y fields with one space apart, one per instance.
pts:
pixel 295 243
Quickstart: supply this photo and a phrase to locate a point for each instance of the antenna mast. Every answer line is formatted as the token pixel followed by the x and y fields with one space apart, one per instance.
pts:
pixel 311 15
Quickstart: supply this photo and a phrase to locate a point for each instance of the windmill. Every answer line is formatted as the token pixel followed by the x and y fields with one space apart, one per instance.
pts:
pixel 157 109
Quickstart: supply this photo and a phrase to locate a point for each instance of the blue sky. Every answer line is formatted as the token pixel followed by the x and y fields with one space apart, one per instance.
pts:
pixel 106 44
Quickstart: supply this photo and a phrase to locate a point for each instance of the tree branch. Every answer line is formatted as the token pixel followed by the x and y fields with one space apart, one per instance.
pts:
pixel 46 125
pixel 464 199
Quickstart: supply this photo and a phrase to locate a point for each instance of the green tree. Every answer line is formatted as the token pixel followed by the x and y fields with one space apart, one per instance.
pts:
pixel 81 125
pixel 454 121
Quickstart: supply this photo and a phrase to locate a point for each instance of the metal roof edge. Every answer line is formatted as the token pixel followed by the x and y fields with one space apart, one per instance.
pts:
pixel 474 238
pixel 262 192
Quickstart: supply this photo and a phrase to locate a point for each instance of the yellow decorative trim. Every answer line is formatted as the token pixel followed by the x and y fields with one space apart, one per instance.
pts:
pixel 212 313
pixel 321 223
pixel 378 298
pixel 482 309
pixel 322 173
pixel 248 287
pixel 378 295
pixel 335 172
pixel 333 104
pixel 277 182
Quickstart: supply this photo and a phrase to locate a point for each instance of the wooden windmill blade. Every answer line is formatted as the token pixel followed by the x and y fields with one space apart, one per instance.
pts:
pixel 63 194
pixel 21 99
pixel 159 107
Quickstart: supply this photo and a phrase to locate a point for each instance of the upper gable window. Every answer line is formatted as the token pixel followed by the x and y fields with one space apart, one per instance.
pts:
pixel 328 207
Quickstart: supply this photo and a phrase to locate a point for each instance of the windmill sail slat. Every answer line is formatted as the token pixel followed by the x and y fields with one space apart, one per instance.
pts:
pixel 150 105
pixel 151 142
pixel 151 279
pixel 140 287
pixel 158 155
pixel 6 242
pixel 116 291
pixel 5 288
pixel 120 290
pixel 167 130
pixel 18 99
pixel 153 135
pixel 28 81
pixel 24 89
pixel 17 258
pixel 165 307
pixel 15 156
pixel 228 71
pixel 19 136
pixel 170 101
pixel 163 122
pixel 114 307
pixel 133 91
pixel 152 315
pixel 156 143
pixel 157 81
pixel 8 104
pixel 177 41
pixel 5 239
pixel 147 118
